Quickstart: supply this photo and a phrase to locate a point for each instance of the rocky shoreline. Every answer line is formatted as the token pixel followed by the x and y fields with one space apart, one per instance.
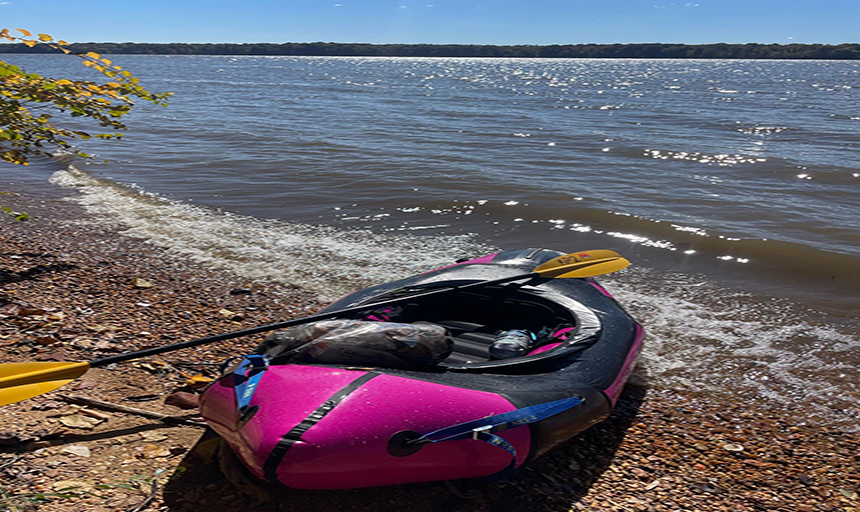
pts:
pixel 71 291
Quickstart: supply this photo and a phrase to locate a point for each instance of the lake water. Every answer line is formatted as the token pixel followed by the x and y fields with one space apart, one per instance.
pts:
pixel 731 185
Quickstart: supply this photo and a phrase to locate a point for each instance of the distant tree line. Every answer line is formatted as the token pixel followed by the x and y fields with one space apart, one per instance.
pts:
pixel 575 51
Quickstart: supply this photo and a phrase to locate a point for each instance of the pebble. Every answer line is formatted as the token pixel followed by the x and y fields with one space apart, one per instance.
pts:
pixel 733 447
pixel 183 400
pixel 76 449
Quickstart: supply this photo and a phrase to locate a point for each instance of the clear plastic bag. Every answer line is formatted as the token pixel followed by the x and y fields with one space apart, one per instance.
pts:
pixel 362 343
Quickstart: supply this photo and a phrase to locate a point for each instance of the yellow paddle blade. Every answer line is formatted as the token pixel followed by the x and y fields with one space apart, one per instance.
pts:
pixel 20 381
pixel 577 257
pixel 596 268
pixel 588 268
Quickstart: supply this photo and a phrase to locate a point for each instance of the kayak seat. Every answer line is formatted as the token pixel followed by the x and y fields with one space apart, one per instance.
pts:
pixel 470 344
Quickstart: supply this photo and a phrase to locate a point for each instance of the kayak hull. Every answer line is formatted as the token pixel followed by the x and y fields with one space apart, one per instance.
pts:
pixel 318 426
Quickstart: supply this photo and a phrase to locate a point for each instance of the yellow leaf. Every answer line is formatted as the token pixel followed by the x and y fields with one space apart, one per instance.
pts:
pixel 45 38
pixel 112 85
pixel 25 32
pixel 63 81
pixel 62 43
pixel 93 55
pixel 29 43
pixel 88 63
pixel 107 62
pixel 198 381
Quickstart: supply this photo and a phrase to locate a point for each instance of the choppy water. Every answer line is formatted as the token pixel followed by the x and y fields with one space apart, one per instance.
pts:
pixel 732 186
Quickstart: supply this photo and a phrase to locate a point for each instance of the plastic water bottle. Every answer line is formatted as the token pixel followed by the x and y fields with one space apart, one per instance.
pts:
pixel 513 343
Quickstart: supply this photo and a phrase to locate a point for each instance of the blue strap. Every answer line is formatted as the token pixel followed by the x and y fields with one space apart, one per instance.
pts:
pixel 246 378
pixel 484 429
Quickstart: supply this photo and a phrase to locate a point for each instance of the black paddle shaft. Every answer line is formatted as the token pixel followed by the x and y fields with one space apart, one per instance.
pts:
pixel 298 321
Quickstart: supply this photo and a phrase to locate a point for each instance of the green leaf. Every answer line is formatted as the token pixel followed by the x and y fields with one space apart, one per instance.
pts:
pixel 26 132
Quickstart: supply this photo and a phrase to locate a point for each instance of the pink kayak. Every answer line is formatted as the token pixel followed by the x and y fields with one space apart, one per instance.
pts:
pixel 316 424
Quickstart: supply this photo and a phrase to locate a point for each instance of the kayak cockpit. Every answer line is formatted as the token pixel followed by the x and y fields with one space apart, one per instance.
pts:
pixel 475 318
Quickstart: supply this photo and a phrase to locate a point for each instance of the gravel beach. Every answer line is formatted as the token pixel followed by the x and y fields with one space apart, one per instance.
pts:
pixel 71 291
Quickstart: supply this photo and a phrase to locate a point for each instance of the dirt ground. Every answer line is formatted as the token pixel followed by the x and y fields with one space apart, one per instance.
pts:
pixel 73 292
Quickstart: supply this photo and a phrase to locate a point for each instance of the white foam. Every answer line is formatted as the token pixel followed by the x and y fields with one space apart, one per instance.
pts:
pixel 709 339
pixel 327 261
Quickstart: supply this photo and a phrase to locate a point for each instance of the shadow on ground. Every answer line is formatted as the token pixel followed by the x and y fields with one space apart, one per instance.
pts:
pixel 215 478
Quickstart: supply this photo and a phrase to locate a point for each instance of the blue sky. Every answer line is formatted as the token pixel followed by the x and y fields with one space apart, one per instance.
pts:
pixel 440 21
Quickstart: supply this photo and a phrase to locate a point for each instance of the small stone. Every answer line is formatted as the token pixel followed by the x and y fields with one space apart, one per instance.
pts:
pixel 709 488
pixel 182 399
pixel 153 437
pixel 733 447
pixel 153 451
pixel 232 315
pixel 142 283
pixel 77 449
pixel 639 473
pixel 652 485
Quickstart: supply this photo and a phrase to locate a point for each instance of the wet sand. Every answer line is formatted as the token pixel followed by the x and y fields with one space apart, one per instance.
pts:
pixel 69 290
